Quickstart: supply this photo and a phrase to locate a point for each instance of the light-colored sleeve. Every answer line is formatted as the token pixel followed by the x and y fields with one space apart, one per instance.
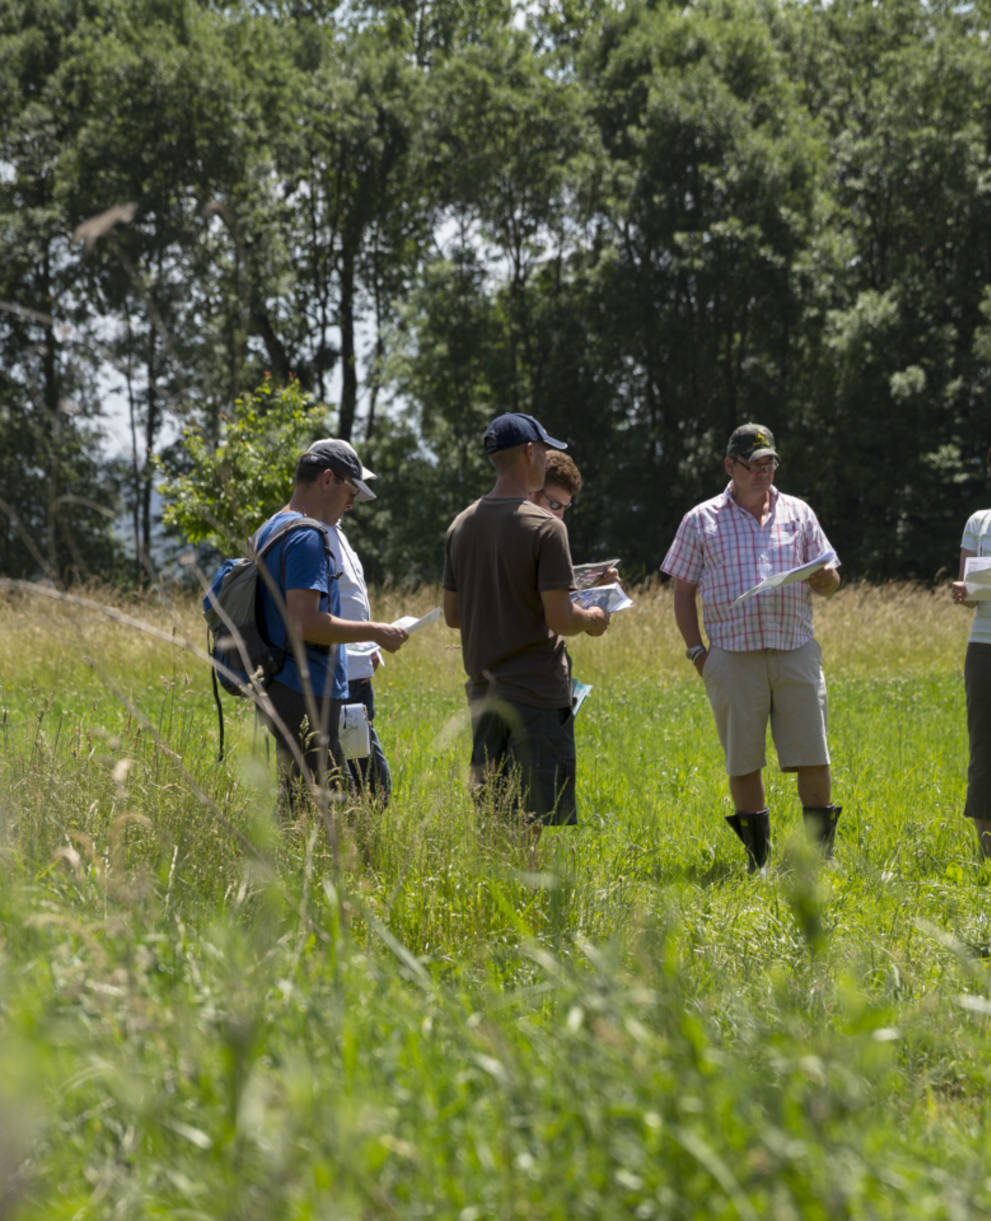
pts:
pixel 816 541
pixel 975 531
pixel 684 559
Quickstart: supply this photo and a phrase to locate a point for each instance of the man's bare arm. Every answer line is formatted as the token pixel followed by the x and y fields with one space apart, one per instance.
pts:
pixel 686 612
pixel 686 617
pixel 315 626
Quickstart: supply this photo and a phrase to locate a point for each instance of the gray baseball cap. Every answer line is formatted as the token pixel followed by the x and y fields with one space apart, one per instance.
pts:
pixel 340 457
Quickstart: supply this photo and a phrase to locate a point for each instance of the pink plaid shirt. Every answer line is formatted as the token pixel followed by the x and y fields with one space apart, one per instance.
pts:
pixel 725 551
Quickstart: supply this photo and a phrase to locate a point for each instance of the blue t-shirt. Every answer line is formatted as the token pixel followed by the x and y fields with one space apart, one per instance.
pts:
pixel 306 567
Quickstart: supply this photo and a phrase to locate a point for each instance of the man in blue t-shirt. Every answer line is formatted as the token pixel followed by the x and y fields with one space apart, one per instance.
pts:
pixel 306 611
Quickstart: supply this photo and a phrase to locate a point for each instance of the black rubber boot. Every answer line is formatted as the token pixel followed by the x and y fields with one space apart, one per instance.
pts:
pixel 820 823
pixel 734 822
pixel 754 831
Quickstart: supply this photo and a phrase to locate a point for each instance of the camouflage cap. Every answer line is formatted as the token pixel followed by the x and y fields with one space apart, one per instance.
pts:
pixel 751 441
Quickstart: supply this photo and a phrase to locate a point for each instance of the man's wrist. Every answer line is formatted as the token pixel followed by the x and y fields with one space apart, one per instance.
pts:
pixel 695 651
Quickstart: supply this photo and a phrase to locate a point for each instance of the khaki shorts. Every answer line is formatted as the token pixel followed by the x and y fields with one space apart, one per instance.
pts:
pixel 783 686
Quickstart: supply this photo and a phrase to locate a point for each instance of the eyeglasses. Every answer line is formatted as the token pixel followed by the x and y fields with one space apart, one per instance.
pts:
pixel 557 506
pixel 766 464
pixel 347 482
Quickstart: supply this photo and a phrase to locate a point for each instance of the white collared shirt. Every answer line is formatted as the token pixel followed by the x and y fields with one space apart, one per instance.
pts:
pixel 977 538
pixel 354 597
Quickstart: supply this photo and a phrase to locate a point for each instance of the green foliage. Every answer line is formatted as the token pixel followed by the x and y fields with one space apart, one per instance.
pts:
pixel 643 223
pixel 221 494
pixel 58 500
pixel 900 97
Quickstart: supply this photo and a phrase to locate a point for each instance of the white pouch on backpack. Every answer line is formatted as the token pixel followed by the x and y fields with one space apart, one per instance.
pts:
pixel 354 731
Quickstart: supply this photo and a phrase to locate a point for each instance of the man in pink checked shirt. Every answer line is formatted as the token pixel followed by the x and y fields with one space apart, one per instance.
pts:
pixel 762 662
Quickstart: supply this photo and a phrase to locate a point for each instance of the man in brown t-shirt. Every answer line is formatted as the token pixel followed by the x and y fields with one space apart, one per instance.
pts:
pixel 507 586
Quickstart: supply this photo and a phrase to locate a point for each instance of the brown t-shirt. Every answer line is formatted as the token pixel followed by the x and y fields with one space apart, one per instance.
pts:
pixel 498 556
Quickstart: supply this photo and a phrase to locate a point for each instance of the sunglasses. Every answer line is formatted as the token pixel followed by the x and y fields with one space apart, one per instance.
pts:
pixel 347 482
pixel 556 505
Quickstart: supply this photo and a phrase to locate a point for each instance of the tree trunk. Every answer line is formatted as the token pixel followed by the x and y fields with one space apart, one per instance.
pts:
pixel 349 371
pixel 50 423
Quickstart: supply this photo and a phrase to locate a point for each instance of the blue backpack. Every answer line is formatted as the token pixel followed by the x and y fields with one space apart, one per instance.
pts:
pixel 245 660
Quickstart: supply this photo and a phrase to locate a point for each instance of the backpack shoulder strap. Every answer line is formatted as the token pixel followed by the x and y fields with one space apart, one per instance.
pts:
pixel 220 707
pixel 287 527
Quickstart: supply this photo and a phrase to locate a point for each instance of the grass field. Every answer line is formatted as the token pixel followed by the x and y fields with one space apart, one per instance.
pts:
pixel 202 1016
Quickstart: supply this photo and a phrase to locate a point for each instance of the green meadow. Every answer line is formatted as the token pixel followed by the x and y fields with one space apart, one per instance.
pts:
pixel 385 1015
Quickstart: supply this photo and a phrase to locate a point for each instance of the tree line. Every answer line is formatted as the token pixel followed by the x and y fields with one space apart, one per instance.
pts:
pixel 642 222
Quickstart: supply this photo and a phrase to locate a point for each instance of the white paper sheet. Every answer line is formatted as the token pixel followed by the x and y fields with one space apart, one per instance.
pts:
pixel 977 577
pixel 409 622
pixel 412 624
pixel 790 575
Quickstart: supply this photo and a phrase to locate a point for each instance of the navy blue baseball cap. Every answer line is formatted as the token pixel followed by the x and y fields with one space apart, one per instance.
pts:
pixel 516 428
